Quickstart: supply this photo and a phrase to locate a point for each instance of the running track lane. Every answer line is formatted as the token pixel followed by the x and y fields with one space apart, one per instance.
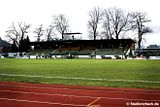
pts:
pixel 37 95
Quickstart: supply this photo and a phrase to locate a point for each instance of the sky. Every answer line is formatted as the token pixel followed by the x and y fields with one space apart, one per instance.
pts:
pixel 36 12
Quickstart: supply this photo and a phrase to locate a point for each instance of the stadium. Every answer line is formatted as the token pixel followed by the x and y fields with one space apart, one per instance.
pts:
pixel 78 73
pixel 47 62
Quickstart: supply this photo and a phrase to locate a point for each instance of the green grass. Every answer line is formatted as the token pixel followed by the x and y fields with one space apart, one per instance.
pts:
pixel 139 70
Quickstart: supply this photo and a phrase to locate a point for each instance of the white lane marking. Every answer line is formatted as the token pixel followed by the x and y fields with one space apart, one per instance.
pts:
pixel 113 98
pixel 86 89
pixel 39 102
pixel 49 94
pixel 87 79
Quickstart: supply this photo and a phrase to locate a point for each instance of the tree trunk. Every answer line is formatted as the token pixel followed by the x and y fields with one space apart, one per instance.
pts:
pixel 62 35
pixel 94 34
pixel 117 37
pixel 139 43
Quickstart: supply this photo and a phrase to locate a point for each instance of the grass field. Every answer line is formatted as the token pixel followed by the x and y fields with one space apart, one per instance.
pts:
pixel 90 72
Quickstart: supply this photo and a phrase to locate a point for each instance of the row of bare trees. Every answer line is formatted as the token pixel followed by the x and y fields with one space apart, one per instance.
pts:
pixel 18 33
pixel 60 24
pixel 114 23
pixel 111 23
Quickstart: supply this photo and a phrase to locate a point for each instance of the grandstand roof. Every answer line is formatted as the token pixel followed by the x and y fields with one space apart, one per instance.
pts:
pixel 115 41
pixel 90 44
pixel 105 43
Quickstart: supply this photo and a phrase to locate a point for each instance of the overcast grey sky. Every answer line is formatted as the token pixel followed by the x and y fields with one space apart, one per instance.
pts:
pixel 36 12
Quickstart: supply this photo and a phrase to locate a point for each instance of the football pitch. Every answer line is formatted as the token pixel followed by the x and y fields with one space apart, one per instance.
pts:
pixel 84 72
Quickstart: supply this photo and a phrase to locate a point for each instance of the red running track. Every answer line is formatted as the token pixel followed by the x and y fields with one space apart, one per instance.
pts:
pixel 14 94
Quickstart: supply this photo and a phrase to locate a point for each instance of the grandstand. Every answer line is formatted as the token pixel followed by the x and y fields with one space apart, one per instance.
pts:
pixel 82 48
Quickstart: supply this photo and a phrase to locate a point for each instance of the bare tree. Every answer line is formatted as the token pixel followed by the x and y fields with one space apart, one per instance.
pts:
pixel 61 24
pixel 17 33
pixel 138 23
pixel 108 31
pixel 95 16
pixel 50 33
pixel 39 32
pixel 116 22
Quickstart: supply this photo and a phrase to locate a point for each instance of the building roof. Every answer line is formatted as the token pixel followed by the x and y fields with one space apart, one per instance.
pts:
pixel 112 41
pixel 97 44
